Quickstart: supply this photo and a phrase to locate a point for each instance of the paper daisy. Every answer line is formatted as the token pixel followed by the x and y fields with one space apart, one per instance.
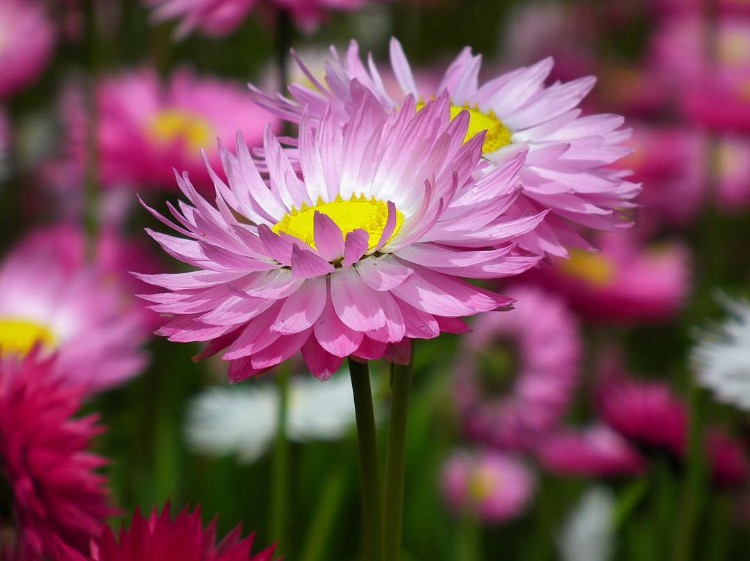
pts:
pixel 159 538
pixel 75 312
pixel 55 493
pixel 721 357
pixel 567 169
pixel 365 249
pixel 244 422
pixel 518 371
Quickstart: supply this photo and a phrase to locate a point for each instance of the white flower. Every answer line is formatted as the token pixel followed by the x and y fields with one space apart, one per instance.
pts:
pixel 587 534
pixel 243 421
pixel 721 357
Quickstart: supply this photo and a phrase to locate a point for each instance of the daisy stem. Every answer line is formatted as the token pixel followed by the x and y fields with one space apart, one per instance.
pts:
pixel 368 459
pixel 280 463
pixel 469 543
pixel 395 463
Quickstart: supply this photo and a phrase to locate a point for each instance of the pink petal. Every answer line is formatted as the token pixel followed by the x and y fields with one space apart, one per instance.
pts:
pixel 307 265
pixel 329 241
pixel 302 309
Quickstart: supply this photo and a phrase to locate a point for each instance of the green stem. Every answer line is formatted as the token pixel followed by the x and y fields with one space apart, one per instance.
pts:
pixel 368 459
pixel 469 543
pixel 395 465
pixel 324 519
pixel 280 464
pixel 91 192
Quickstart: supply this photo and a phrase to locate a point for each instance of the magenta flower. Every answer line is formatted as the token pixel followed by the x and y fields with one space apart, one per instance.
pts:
pixel 519 371
pixel 162 126
pixel 55 493
pixel 90 323
pixel 727 459
pixel 217 18
pixel 648 414
pixel 26 46
pixel 159 538
pixel 627 281
pixel 596 451
pixel 364 250
pixel 566 170
pixel 488 485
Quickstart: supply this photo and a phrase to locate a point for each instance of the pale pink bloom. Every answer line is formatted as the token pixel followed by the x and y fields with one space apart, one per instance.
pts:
pixel 490 486
pixel 596 451
pixel 92 326
pixel 217 18
pixel 54 492
pixel 648 414
pixel 566 170
pixel 362 250
pixel 519 370
pixel 26 41
pixel 147 127
pixel 627 281
pixel 670 163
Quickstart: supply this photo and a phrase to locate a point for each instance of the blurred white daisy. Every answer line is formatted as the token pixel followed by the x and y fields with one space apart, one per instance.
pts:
pixel 587 534
pixel 242 421
pixel 721 357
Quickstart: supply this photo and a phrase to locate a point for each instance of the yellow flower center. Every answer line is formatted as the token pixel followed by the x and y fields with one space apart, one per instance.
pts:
pixel 358 213
pixel 498 135
pixel 17 336
pixel 481 485
pixel 175 125
pixel 592 268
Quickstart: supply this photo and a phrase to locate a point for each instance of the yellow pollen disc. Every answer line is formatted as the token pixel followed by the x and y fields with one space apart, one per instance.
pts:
pixel 17 336
pixel 358 213
pixel 498 135
pixel 592 268
pixel 482 484
pixel 174 125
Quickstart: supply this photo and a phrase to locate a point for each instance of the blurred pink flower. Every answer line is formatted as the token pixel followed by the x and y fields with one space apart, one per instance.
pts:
pixel 697 7
pixel 727 459
pixel 720 102
pixel 55 493
pixel 627 281
pixel 217 18
pixel 566 169
pixel 26 41
pixel 670 163
pixel 518 371
pixel 596 451
pixel 490 486
pixel 354 255
pixel 159 538
pixel 648 414
pixel 93 327
pixel 146 128
pixel 733 172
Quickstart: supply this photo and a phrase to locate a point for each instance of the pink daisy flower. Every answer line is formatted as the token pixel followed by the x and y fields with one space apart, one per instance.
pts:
pixel 596 451
pixel 55 492
pixel 727 459
pixel 217 18
pixel 566 170
pixel 519 371
pixel 162 126
pixel 627 281
pixel 364 250
pixel 159 538
pixel 78 314
pixel 646 413
pixel 488 485
pixel 27 39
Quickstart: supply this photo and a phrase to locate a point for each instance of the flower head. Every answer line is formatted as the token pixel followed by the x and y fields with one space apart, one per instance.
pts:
pixel 721 357
pixel 26 41
pixel 491 486
pixel 519 370
pixel 161 125
pixel 55 493
pixel 159 538
pixel 75 312
pixel 361 251
pixel 568 155
pixel 244 422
